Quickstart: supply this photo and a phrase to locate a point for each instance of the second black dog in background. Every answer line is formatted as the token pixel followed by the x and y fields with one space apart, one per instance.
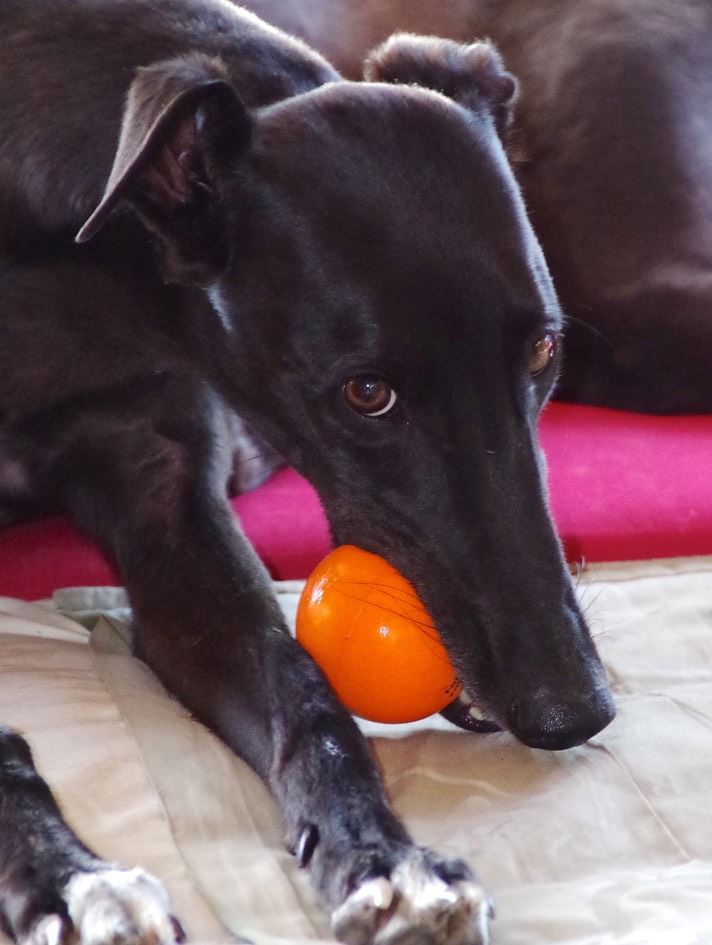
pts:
pixel 612 145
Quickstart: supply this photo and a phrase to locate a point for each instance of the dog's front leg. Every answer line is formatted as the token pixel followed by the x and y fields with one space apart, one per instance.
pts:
pixel 53 888
pixel 230 658
pixel 209 625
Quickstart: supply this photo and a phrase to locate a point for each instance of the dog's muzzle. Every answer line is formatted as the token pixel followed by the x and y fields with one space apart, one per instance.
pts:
pixel 539 723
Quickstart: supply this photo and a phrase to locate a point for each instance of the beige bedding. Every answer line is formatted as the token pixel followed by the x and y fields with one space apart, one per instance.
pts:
pixel 608 844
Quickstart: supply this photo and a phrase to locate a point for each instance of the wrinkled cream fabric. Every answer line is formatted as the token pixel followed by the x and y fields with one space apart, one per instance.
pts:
pixel 607 844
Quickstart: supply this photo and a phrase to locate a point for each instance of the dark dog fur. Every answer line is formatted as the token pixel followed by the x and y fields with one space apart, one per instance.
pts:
pixel 613 149
pixel 270 233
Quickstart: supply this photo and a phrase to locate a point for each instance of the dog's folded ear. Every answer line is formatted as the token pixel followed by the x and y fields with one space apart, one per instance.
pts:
pixel 472 75
pixel 183 125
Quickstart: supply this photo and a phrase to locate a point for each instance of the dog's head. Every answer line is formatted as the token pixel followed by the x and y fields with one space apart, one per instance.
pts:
pixel 384 317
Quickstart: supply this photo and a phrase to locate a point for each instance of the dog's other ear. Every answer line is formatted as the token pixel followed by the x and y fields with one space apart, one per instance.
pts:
pixel 472 75
pixel 183 125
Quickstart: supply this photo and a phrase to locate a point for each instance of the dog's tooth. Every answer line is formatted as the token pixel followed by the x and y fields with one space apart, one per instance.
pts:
pixel 466 714
pixel 476 713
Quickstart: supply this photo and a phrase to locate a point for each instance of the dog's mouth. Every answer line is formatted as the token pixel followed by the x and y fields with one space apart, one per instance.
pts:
pixel 465 713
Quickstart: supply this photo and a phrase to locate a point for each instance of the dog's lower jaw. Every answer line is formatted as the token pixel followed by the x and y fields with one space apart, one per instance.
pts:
pixel 465 713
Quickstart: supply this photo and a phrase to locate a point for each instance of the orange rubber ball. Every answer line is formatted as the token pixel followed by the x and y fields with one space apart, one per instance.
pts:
pixel 365 626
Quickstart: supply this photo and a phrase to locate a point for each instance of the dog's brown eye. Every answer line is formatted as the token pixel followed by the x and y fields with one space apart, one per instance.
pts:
pixel 541 353
pixel 370 394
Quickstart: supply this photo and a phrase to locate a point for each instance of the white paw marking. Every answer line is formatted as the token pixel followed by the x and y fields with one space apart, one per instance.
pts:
pixel 414 907
pixel 48 931
pixel 111 907
pixel 375 894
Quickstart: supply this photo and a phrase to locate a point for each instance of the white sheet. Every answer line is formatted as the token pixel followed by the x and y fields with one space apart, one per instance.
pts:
pixel 608 844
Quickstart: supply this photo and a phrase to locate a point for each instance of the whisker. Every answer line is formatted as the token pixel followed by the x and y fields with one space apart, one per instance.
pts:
pixel 589 327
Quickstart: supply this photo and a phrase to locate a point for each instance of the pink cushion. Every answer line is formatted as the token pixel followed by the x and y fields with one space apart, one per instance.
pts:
pixel 623 486
pixel 283 519
pixel 627 486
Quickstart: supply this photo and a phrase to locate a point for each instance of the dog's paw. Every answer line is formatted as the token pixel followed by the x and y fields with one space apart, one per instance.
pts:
pixel 414 906
pixel 111 907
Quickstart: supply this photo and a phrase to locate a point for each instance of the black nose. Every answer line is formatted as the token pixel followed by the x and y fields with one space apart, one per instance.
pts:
pixel 543 721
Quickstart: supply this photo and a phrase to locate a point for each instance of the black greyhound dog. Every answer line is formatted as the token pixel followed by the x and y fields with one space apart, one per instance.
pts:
pixel 349 268
pixel 612 146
